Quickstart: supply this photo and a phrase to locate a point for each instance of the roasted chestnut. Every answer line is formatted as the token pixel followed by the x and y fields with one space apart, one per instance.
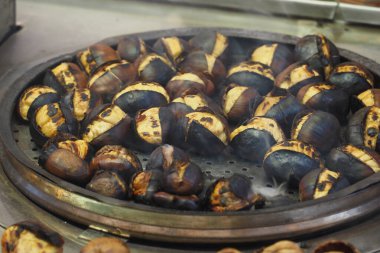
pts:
pixel 105 245
pixel 31 237
pixel 182 82
pixel 352 77
pixel 141 95
pixel 166 156
pixel 277 56
pixel 281 247
pixel 252 74
pixel 370 97
pixel 319 183
pixel 131 48
pixel 355 163
pixel 65 77
pixel 108 80
pixel 335 246
pixel 213 43
pixel 294 77
pixel 178 202
pixel 155 68
pixel 325 97
pixel 51 119
pixel 106 125
pixel 228 250
pixel 232 194
pixel 319 52
pixel 173 48
pixel 255 137
pixel 96 56
pixel 33 98
pixel 318 128
pixel 239 101
pixel 145 184
pixel 290 161
pixel 109 183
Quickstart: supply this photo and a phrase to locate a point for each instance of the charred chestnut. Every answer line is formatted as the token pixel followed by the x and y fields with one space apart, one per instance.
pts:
pixel 182 82
pixel 33 98
pixel 166 156
pixel 352 77
pixel 336 246
pixel 105 244
pixel 178 202
pixel 319 183
pixel 155 68
pixel 131 48
pixel 109 183
pixel 107 81
pixel 96 56
pixel 65 77
pixel 318 128
pixel 290 161
pixel 252 74
pixel 28 236
pixel 145 184
pixel 355 163
pixel 172 48
pixel 141 95
pixel 255 137
pixel 213 43
pixel 370 97
pixel 277 56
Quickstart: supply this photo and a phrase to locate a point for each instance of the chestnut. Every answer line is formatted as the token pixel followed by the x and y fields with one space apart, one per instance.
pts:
pixel 252 74
pixel 281 247
pixel 105 245
pixel 182 82
pixel 213 43
pixel 363 128
pixel 34 97
pixel 290 161
pixel 131 48
pixel 30 236
pixel 370 97
pixel 238 101
pixel 352 77
pixel 96 56
pixel 228 250
pixel 154 68
pixel 355 163
pixel 108 80
pixel 65 77
pixel 173 48
pixel 166 156
pixel 335 246
pixel 167 200
pixel 106 125
pixel 319 52
pixel 144 184
pixel 254 138
pixel 325 97
pixel 51 119
pixel 140 96
pixel 277 56
pixel 109 183
pixel 318 128
pixel 319 183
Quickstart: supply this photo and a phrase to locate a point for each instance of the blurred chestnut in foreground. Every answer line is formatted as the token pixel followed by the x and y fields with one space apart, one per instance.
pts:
pixel 182 82
pixel 255 137
pixel 335 246
pixel 352 77
pixel 355 163
pixel 178 202
pixel 140 96
pixel 109 183
pixel 96 56
pixel 166 156
pixel 65 77
pixel 213 43
pixel 289 161
pixel 31 237
pixel 277 56
pixel 319 183
pixel 105 245
pixel 172 48
pixel 145 184
pixel 155 68
pixel 229 250
pixel 252 74
pixel 370 97
pixel 33 98
pixel 131 48
pixel 281 247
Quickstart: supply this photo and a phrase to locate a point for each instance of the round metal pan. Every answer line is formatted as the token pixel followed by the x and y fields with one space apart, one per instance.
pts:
pixel 287 220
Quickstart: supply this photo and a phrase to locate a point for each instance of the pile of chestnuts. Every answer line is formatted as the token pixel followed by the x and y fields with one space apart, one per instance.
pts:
pixel 309 118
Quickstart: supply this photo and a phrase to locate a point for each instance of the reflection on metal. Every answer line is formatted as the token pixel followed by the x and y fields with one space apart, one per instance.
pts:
pixel 360 14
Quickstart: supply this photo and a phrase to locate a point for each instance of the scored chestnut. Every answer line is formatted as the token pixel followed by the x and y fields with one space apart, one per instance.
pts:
pixel 178 202
pixel 33 98
pixel 144 184
pixel 109 183
pixel 105 244
pixel 255 137
pixel 370 97
pixel 336 246
pixel 154 68
pixel 166 156
pixel 213 43
pixel 172 48
pixel 131 48
pixel 182 82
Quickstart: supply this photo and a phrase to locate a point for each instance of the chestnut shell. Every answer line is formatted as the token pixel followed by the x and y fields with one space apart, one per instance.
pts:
pixel 131 48
pixel 109 183
pixel 177 202
pixel 154 68
pixel 144 184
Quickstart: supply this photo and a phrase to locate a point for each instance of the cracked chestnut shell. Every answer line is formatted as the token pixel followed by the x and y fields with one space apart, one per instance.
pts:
pixel 144 184
pixel 105 245
pixel 155 68
pixel 318 128
pixel 213 43
pixel 51 119
pixel 319 52
pixel 109 183
pixel 131 48
pixel 65 77
pixel 355 163
pixel 183 82
pixel 33 98
pixel 352 77
pixel 320 183
pixel 363 128
pixel 370 97
pixel 335 246
pixel 277 56
pixel 290 161
pixel 172 201
pixel 141 95
pixel 31 237
pixel 96 56
pixel 325 97
pixel 252 74
pixel 254 138
pixel 173 48
pixel 108 80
